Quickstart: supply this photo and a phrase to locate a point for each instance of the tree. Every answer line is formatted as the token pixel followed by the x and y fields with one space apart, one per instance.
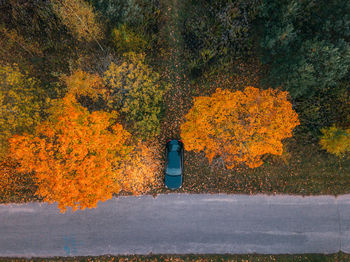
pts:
pixel 29 26
pixel 306 44
pixel 11 41
pixel 89 89
pixel 126 40
pixel 35 38
pixel 75 155
pixel 79 17
pixel 240 126
pixel 335 140
pixel 81 83
pixel 137 92
pixel 141 15
pixel 218 31
pixel 21 103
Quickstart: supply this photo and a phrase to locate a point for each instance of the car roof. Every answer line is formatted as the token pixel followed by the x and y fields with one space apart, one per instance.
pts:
pixel 174 159
pixel 174 163
pixel 174 155
pixel 174 145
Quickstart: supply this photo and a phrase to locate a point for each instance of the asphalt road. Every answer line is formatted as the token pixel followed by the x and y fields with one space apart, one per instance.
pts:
pixel 179 223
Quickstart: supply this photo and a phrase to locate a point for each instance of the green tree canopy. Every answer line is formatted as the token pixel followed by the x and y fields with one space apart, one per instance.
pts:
pixel 306 43
pixel 141 14
pixel 217 31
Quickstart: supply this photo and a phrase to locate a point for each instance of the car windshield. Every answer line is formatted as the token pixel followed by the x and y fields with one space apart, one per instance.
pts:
pixel 173 167
pixel 175 147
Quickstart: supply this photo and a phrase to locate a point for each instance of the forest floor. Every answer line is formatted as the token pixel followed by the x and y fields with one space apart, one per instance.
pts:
pixel 178 99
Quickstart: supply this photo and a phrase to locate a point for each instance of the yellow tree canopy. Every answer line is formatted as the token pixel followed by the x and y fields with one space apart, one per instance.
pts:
pixel 75 155
pixel 89 89
pixel 21 102
pixel 239 126
pixel 335 140
pixel 81 83
pixel 79 17
pixel 136 91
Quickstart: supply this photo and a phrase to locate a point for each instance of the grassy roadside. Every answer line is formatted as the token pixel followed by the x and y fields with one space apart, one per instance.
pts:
pixel 338 257
pixel 302 170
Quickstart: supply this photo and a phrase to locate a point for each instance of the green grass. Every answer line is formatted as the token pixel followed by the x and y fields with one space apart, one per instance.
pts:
pixel 339 257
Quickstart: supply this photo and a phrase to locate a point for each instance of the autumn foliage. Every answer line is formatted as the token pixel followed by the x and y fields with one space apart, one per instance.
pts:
pixel 241 126
pixel 81 83
pixel 140 170
pixel 11 41
pixel 335 140
pixel 21 104
pixel 74 154
pixel 136 91
pixel 89 89
pixel 79 17
pixel 15 186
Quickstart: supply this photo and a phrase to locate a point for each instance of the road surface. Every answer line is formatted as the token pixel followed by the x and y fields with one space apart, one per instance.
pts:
pixel 179 224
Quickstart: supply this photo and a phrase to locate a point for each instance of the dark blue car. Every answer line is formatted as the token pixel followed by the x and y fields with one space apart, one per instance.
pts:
pixel 174 164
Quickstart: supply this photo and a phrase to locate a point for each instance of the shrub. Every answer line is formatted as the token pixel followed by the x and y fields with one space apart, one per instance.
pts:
pixel 336 140
pixel 126 40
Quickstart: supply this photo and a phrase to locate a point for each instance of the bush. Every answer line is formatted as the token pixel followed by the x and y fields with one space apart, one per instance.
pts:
pixel 126 40
pixel 336 140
